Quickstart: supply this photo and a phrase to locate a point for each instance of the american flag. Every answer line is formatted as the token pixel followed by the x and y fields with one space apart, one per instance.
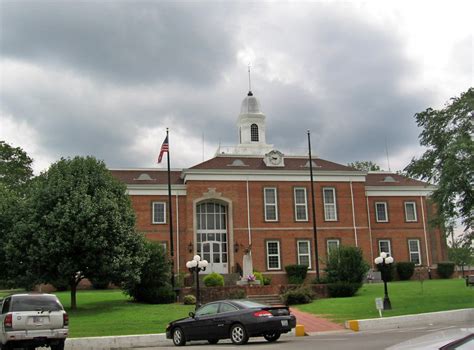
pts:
pixel 164 148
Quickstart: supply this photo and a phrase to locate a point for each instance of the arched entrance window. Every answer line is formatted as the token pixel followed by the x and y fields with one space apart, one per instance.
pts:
pixel 211 235
pixel 254 132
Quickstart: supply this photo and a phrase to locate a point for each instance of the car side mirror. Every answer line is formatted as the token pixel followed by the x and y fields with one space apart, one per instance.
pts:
pixel 192 314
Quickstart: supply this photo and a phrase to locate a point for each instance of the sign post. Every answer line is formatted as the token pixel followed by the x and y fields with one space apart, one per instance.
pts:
pixel 379 305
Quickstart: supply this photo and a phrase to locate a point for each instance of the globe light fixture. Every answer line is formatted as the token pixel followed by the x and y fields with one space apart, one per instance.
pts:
pixel 384 265
pixel 195 266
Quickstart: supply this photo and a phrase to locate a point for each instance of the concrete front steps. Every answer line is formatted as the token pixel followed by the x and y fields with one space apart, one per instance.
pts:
pixel 270 299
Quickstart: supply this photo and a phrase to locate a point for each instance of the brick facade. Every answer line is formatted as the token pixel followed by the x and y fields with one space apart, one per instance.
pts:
pixel 355 223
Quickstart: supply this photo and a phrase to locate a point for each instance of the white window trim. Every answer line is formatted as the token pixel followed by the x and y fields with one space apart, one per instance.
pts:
pixel 308 242
pixel 377 213
pixel 278 254
pixel 301 204
pixel 270 204
pixel 414 210
pixel 330 204
pixel 410 252
pixel 164 213
pixel 332 240
pixel 389 246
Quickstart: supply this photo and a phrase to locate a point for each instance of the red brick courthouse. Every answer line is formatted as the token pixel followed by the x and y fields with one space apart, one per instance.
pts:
pixel 252 195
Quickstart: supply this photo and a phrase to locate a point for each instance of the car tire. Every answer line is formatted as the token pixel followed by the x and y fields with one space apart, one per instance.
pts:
pixel 213 341
pixel 271 337
pixel 178 337
pixel 238 334
pixel 58 346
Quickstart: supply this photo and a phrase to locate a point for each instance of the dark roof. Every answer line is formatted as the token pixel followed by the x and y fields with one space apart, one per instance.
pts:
pixel 147 176
pixel 257 163
pixel 390 179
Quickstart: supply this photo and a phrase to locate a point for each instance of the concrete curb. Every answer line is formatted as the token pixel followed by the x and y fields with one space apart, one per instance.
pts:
pixel 116 342
pixel 411 320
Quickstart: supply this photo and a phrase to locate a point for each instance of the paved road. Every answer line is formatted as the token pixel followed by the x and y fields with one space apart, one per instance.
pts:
pixel 343 340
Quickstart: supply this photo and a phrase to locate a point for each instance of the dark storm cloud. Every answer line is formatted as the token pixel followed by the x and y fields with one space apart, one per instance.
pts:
pixel 123 42
pixel 152 65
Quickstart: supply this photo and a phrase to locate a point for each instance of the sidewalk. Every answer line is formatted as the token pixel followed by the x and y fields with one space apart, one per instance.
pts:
pixel 313 324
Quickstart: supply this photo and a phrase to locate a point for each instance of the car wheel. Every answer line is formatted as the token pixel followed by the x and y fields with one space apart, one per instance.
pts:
pixel 58 346
pixel 178 337
pixel 213 341
pixel 238 334
pixel 271 337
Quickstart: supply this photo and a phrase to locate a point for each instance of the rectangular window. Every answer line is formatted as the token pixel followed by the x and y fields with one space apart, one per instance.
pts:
pixel 381 213
pixel 271 206
pixel 410 212
pixel 330 213
pixel 414 251
pixel 159 213
pixel 304 253
pixel 385 247
pixel 273 255
pixel 332 244
pixel 301 205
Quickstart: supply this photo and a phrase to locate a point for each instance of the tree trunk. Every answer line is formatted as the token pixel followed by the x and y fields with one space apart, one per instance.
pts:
pixel 73 295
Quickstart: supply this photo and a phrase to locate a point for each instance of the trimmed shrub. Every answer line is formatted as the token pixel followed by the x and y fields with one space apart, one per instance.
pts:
pixel 405 270
pixel 301 295
pixel 445 269
pixel 237 294
pixel 154 286
pixel 267 281
pixel 296 273
pixel 189 300
pixel 259 277
pixel 343 289
pixel 214 280
pixel 346 264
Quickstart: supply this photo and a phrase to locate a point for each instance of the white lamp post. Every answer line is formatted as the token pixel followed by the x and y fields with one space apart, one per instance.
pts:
pixel 384 263
pixel 195 266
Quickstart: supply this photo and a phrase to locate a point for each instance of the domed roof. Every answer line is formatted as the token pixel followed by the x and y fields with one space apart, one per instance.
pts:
pixel 250 105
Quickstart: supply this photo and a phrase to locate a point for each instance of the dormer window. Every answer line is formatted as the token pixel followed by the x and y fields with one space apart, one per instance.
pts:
pixel 254 133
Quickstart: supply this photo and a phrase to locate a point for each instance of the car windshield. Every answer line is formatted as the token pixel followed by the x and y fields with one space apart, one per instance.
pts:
pixel 248 304
pixel 35 303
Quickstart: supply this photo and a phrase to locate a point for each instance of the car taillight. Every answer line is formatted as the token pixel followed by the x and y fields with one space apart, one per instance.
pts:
pixel 65 320
pixel 262 313
pixel 8 322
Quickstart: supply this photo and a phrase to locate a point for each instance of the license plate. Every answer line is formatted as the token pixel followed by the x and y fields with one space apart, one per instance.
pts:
pixel 38 319
pixel 284 323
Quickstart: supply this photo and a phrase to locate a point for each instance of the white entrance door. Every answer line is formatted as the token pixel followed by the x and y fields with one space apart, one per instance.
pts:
pixel 212 252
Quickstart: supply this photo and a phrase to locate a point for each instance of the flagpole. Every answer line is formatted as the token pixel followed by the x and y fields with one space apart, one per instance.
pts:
pixel 170 206
pixel 315 232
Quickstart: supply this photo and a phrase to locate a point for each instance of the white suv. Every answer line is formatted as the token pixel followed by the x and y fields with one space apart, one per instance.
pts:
pixel 31 320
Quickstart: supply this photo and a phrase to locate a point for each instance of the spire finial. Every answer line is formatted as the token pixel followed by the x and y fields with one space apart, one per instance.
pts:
pixel 250 84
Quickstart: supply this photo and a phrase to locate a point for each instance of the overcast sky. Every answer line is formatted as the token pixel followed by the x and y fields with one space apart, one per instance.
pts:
pixel 106 78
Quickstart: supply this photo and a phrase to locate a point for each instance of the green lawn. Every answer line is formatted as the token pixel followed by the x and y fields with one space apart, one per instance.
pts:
pixel 406 297
pixel 110 312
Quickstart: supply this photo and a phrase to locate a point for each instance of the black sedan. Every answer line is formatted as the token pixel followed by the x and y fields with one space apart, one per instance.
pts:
pixel 234 319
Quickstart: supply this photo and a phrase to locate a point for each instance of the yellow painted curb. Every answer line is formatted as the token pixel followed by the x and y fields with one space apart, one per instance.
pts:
pixel 299 330
pixel 354 325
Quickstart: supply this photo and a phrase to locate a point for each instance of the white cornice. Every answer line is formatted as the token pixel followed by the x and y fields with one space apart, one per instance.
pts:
pixel 392 191
pixel 155 190
pixel 270 175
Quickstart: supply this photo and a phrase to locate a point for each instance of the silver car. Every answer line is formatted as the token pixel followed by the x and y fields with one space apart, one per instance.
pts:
pixel 32 320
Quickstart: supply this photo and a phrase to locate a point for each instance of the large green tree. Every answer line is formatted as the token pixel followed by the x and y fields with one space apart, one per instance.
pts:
pixel 77 222
pixel 15 173
pixel 447 134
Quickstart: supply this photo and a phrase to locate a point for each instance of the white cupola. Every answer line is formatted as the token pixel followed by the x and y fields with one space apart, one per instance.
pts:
pixel 251 128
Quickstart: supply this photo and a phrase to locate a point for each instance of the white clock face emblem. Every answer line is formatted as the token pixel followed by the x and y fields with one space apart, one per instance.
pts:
pixel 275 159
